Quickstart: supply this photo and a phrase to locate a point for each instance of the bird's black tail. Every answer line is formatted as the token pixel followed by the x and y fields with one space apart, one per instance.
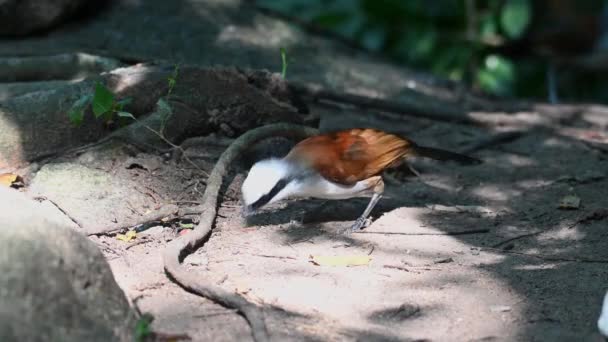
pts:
pixel 443 155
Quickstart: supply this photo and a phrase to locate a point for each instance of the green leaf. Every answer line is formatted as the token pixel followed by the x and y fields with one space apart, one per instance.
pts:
pixel 103 100
pixel 330 19
pixel 76 113
pixel 163 109
pixel 173 79
pixel 143 327
pixel 515 17
pixel 126 115
pixel 171 84
pixel 497 75
pixel 186 225
pixel 284 62
pixel 488 26
pixel 124 102
pixel 76 116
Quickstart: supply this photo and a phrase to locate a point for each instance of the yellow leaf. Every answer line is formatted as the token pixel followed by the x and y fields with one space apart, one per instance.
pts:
pixel 344 260
pixel 9 179
pixel 570 202
pixel 131 234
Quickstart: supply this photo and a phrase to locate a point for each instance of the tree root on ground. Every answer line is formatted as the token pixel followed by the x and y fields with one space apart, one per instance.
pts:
pixel 188 243
pixel 56 67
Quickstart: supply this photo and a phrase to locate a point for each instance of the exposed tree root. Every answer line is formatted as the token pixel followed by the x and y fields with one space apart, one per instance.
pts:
pixel 188 243
pixel 421 108
pixel 56 67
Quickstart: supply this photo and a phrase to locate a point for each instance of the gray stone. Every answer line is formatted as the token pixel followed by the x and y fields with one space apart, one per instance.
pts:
pixel 55 283
pixel 92 197
pixel 21 17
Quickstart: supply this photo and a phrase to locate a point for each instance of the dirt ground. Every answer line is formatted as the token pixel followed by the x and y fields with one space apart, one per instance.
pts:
pixel 478 253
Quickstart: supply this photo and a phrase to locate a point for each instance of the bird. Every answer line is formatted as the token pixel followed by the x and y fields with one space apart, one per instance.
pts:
pixel 335 165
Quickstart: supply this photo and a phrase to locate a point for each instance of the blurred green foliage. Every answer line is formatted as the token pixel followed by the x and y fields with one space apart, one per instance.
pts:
pixel 450 38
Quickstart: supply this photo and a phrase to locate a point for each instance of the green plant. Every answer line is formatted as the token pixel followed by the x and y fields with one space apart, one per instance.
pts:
pixel 452 39
pixel 143 327
pixel 105 105
pixel 172 79
pixel 284 62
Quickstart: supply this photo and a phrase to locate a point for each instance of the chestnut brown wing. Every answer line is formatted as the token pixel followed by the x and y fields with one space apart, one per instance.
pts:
pixel 347 157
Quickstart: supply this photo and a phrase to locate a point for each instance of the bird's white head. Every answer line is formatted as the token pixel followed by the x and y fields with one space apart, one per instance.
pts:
pixel 268 181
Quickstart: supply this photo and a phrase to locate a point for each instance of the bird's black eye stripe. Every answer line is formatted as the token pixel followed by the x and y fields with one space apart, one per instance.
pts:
pixel 267 197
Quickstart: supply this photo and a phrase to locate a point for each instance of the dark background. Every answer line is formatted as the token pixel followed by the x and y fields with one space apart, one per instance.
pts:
pixel 502 47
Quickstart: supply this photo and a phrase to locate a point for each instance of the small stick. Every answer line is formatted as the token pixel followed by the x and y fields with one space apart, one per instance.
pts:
pixel 156 215
pixel 462 232
pixel 401 268
pixel 504 242
pixel 549 257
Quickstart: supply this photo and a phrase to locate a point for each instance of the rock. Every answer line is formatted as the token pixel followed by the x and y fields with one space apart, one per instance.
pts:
pixel 93 198
pixel 22 17
pixel 55 283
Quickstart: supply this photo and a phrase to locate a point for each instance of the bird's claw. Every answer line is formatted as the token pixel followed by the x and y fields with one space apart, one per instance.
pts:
pixel 360 224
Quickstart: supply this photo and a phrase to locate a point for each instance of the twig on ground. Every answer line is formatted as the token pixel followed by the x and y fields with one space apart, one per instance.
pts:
pixel 274 256
pixel 168 210
pixel 175 147
pixel 72 218
pixel 140 242
pixel 596 215
pixel 504 242
pixel 401 268
pixel 188 202
pixel 548 257
pixel 216 313
pixel 493 140
pixel 462 232
pixel 189 242
pixel 371 250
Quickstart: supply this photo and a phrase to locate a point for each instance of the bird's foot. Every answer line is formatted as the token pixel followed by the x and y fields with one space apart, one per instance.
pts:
pixel 361 223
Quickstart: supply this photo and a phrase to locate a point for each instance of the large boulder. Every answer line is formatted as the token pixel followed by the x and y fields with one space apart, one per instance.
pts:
pixel 22 17
pixel 55 283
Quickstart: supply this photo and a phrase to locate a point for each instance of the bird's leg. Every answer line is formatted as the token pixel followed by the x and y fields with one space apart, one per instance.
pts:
pixel 378 188
pixel 552 82
pixel 361 222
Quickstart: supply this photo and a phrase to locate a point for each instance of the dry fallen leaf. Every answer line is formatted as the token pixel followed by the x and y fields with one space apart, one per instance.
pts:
pixel 570 202
pixel 10 179
pixel 342 260
pixel 131 235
